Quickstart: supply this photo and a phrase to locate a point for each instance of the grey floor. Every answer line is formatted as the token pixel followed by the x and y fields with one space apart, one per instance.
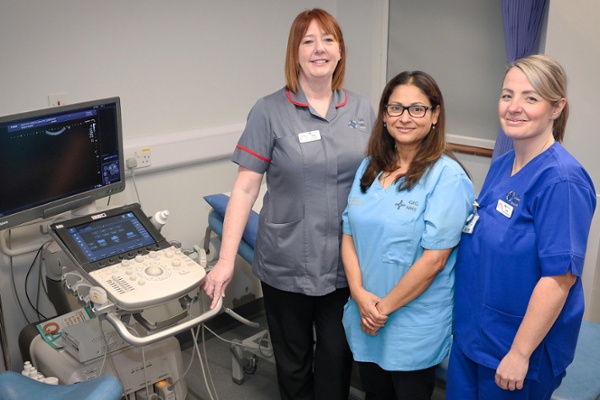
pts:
pixel 260 385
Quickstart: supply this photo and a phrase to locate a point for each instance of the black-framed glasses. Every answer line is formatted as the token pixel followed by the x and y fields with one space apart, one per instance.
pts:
pixel 396 110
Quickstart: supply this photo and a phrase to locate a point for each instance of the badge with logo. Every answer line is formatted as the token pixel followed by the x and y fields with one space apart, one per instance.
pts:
pixel 306 137
pixel 504 208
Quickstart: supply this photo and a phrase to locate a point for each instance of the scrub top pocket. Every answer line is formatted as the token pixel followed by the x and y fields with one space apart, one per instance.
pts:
pixel 397 237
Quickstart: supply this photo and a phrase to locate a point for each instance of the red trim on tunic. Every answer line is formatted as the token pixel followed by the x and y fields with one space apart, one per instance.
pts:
pixel 343 103
pixel 289 96
pixel 247 150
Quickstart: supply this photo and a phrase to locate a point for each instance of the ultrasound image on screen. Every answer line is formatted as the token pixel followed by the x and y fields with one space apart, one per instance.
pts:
pixel 55 157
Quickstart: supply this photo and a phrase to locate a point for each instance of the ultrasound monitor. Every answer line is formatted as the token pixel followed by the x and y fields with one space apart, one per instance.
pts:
pixel 59 159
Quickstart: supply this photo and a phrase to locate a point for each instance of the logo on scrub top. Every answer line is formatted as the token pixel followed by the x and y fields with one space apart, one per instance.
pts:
pixel 411 206
pixel 513 198
pixel 354 201
pixel 358 124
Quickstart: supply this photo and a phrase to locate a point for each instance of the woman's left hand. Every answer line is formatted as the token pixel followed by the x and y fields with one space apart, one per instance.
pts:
pixel 511 372
pixel 368 329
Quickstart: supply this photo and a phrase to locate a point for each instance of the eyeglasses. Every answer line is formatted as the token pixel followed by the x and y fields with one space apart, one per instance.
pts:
pixel 396 110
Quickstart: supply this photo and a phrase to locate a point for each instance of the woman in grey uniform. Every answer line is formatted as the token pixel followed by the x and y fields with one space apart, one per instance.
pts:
pixel 308 138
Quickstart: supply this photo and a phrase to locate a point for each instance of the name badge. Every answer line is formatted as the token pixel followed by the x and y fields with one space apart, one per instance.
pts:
pixel 470 225
pixel 311 136
pixel 504 208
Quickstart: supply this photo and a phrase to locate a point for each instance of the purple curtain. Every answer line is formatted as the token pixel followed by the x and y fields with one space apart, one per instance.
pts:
pixel 522 21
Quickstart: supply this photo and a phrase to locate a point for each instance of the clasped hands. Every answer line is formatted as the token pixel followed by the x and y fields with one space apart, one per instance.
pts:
pixel 371 320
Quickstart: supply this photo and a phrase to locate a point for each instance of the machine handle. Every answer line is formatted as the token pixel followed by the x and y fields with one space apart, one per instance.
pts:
pixel 163 334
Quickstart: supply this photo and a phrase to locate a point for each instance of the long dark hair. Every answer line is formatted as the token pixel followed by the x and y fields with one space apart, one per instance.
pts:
pixel 382 146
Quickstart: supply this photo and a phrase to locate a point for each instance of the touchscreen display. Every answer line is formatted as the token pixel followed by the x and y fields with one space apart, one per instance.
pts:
pixel 110 236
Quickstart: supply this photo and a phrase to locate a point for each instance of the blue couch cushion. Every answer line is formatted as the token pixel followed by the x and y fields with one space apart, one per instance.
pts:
pixel 14 386
pixel 583 376
pixel 219 203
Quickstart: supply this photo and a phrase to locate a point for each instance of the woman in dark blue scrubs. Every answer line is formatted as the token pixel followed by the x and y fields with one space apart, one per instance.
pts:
pixel 519 297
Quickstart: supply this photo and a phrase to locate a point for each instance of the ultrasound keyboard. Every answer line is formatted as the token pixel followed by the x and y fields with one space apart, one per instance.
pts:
pixel 121 251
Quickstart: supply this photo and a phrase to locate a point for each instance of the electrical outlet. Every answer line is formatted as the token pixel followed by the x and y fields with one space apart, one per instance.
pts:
pixel 141 155
pixel 58 99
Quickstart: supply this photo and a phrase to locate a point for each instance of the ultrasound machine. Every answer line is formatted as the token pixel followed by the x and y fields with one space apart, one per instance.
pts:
pixel 139 288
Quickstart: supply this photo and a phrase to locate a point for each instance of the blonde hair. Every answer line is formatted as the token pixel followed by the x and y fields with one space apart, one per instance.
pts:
pixel 549 79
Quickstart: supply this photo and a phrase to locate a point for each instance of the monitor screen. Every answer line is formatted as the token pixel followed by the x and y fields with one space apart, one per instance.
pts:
pixel 59 159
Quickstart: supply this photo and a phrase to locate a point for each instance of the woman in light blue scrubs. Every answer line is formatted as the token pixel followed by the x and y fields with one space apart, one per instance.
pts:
pixel 519 296
pixel 406 209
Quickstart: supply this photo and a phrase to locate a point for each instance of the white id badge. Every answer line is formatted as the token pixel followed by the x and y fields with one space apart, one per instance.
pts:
pixel 470 225
pixel 504 208
pixel 311 136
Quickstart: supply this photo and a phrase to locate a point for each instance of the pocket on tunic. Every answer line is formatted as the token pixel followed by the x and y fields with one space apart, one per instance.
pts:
pixel 283 243
pixel 399 242
pixel 498 330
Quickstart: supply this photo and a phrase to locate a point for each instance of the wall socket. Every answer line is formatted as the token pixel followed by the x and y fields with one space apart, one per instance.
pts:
pixel 58 99
pixel 141 154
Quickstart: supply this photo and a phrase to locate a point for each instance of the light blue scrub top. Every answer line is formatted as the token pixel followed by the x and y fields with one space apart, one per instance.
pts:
pixel 390 230
pixel 542 231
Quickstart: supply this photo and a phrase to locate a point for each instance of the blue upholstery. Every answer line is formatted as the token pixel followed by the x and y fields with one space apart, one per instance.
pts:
pixel 246 250
pixel 14 386
pixel 219 203
pixel 583 375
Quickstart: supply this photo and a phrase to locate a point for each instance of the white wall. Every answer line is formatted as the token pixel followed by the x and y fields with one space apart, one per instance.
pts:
pixel 572 38
pixel 463 50
pixel 176 65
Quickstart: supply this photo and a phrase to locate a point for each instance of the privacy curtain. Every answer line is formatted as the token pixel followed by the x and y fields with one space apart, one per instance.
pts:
pixel 522 21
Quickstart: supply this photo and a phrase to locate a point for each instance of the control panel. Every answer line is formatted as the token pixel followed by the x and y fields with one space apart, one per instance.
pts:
pixel 148 279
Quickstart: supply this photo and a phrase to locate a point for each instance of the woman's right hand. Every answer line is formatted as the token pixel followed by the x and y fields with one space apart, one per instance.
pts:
pixel 243 195
pixel 371 320
pixel 216 282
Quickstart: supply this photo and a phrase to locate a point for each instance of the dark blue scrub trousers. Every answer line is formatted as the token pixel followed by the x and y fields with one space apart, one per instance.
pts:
pixel 468 380
pixel 307 370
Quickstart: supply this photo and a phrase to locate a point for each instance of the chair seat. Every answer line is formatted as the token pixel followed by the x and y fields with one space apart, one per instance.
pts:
pixel 14 386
